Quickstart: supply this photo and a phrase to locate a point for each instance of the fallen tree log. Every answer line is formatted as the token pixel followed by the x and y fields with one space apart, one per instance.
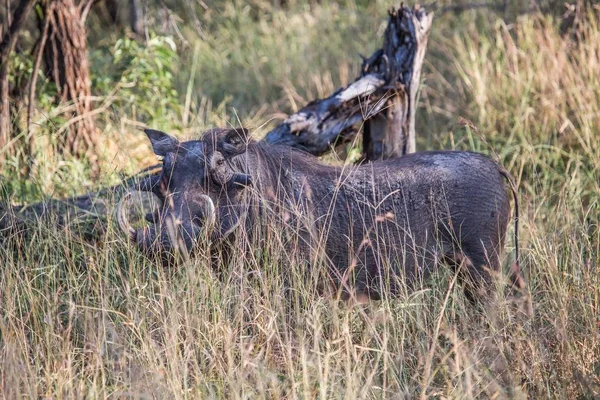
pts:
pixel 85 215
pixel 382 99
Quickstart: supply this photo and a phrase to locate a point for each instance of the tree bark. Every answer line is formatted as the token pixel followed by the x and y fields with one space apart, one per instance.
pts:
pixel 65 56
pixel 384 97
pixel 136 19
pixel 7 45
pixel 392 133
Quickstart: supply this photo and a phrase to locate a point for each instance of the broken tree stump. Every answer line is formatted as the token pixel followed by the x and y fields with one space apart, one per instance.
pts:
pixel 384 97
pixel 391 133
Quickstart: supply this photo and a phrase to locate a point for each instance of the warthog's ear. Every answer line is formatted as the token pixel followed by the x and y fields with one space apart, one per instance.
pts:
pixel 239 180
pixel 234 142
pixel 162 143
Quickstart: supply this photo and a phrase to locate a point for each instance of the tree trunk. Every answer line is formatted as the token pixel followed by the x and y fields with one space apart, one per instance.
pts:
pixel 392 133
pixel 384 97
pixel 136 19
pixel 65 56
pixel 385 134
pixel 7 45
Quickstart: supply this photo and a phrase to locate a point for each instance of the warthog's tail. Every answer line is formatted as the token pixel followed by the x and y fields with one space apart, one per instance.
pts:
pixel 516 276
pixel 513 188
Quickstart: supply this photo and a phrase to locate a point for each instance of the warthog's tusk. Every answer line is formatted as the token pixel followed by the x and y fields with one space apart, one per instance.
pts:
pixel 122 217
pixel 211 216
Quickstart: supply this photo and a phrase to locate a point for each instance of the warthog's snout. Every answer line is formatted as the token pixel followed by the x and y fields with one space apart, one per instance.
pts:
pixel 173 229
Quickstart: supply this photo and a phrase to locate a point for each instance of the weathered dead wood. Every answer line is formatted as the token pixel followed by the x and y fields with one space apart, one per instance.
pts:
pixel 392 133
pixel 388 86
pixel 85 214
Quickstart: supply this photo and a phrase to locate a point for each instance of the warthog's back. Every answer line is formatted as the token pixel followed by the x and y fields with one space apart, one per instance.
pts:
pixel 401 216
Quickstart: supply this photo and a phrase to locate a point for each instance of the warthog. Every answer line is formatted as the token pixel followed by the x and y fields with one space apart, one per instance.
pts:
pixel 374 225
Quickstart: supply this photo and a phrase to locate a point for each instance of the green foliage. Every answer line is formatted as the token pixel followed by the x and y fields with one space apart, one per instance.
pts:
pixel 141 78
pixel 20 70
pixel 20 66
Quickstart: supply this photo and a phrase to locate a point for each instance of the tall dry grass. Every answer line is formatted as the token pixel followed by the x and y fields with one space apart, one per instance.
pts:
pixel 99 320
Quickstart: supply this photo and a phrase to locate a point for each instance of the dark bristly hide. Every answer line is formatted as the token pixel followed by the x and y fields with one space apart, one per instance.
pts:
pixel 378 223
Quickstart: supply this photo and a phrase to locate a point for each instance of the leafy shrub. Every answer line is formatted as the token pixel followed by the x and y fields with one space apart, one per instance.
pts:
pixel 141 78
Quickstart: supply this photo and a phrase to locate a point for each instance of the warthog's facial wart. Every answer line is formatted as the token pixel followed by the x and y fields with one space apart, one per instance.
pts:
pixel 196 185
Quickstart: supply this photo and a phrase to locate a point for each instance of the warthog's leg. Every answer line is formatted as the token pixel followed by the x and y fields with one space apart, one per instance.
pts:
pixel 476 276
pixel 520 294
pixel 478 280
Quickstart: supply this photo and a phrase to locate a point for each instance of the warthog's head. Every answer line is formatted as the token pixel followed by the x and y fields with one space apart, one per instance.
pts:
pixel 199 188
